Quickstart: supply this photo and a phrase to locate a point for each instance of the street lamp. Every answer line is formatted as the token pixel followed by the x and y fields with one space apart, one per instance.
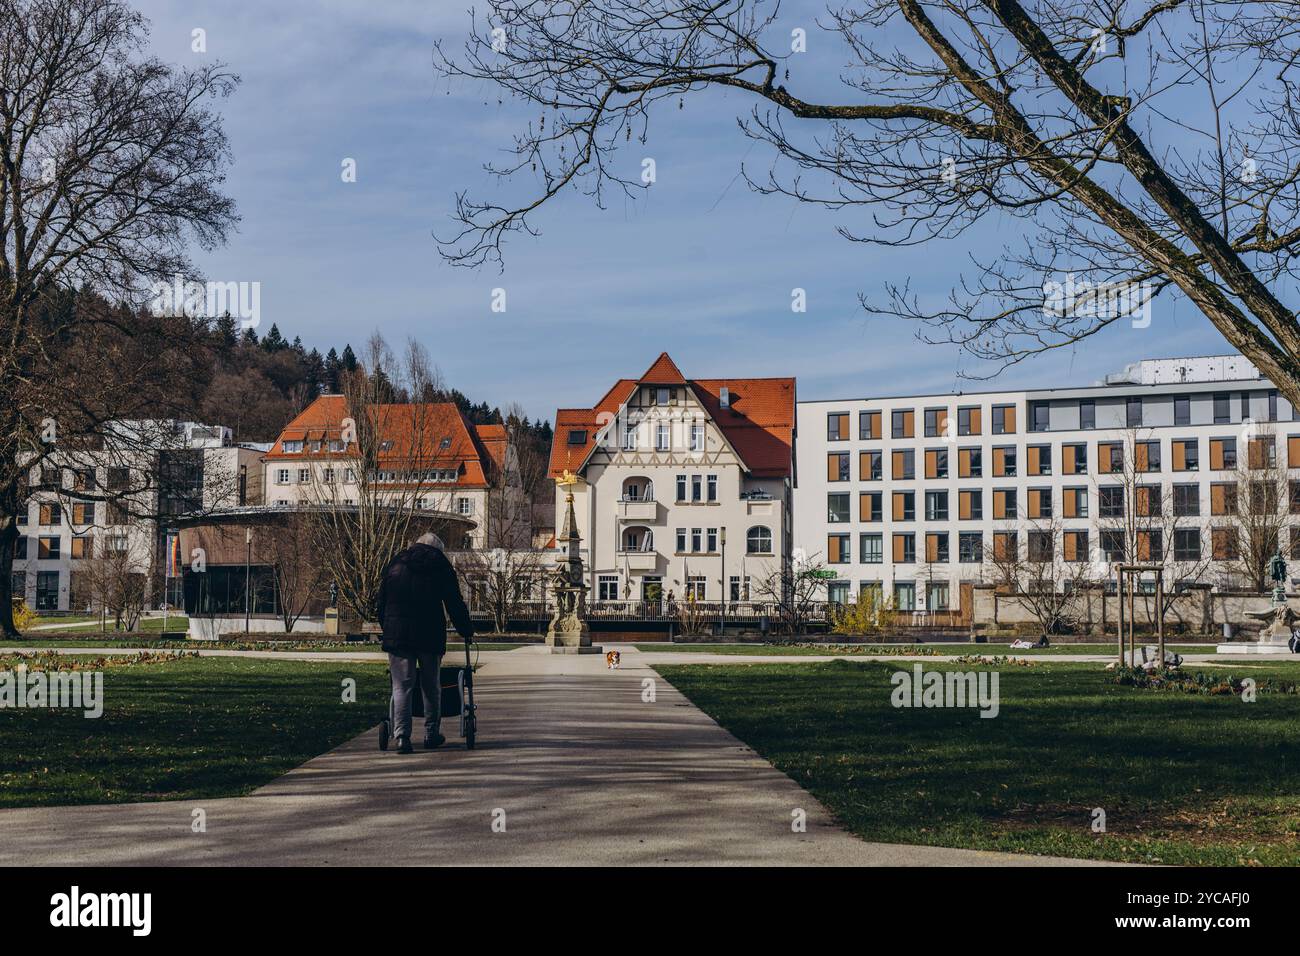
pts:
pixel 724 579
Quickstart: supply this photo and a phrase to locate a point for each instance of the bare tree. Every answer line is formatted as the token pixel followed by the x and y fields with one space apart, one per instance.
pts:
pixel 1149 149
pixel 116 582
pixel 505 581
pixel 369 499
pixel 1151 514
pixel 110 164
pixel 1030 564
pixel 1257 503
pixel 299 575
pixel 795 592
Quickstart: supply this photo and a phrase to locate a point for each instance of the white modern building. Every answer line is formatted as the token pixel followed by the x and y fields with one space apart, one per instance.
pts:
pixel 908 493
pixel 685 485
pixel 115 502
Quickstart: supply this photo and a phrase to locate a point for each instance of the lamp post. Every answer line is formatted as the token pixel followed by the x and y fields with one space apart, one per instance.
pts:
pixel 724 580
pixel 248 575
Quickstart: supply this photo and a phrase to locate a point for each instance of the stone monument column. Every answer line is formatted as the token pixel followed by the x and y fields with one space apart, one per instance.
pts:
pixel 568 632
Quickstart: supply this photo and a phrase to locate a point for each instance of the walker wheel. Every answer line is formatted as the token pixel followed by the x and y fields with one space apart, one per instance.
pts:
pixel 384 734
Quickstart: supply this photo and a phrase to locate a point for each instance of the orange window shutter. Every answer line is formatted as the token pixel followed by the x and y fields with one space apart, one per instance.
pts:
pixel 1141 456
pixel 898 505
pixel 1180 456
pixel 909 423
pixel 1035 460
pixel 963 505
pixel 832 467
pixel 1071 545
pixel 833 549
pixel 1067 459
pixel 1216 454
pixel 963 463
pixel 1218 500
pixel 999 462
pixel 1144 546
pixel 874 423
pixel 942 422
pixel 898 464
pixel 864 507
pixel 999 504
pixel 898 547
pixel 976 427
pixel 931 547
pixel 931 464
pixel 1293 451
pixel 1009 420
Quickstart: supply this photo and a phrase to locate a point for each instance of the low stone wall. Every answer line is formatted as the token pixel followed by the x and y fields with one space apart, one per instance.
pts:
pixel 1198 611
pixel 214 628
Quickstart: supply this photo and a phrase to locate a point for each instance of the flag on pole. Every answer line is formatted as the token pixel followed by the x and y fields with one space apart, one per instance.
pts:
pixel 174 555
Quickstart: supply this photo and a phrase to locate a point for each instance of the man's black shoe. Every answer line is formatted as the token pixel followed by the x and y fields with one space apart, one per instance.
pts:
pixel 433 741
pixel 404 745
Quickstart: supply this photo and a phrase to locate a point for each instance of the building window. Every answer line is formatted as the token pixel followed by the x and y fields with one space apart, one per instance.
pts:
pixel 970 505
pixel 20 549
pixel 697 438
pixel 837 507
pixel 1004 419
pixel 936 596
pixel 1112 544
pixel 681 540
pixel 711 487
pixel 1076 546
pixel 465 506
pixel 282 476
pixel 905 596
pixel 837 426
pixel 577 436
pixel 968 421
pixel 936 463
pixel 293 447
pixel 1187 501
pixel 869 466
pixel 970 547
pixel 869 507
pixel 47 590
pixel 82 547
pixel 1039 547
pixel 304 475
pixel 905 549
pixel 869 426
pixel 872 548
pixel 710 540
pixel 1187 544
pixel 936 547
pixel 1087 414
pixel 1004 504
pixel 739 588
pixel 697 488
pixel 1222 409
pixel 1040 502
pixel 1146 455
pixel 904 506
pixel 1074 459
pixel 1133 412
pixel 1039 460
pixel 837 549
pixel 936 506
pixel 759 540
pixel 696 588
pixel 1074 502
pixel 681 488
pixel 1110 501
pixel 837 466
pixel 904 465
pixel 1223 454
pixel 50 514
pixel 1040 417
pixel 902 423
pixel 1182 409
pixel 936 422
pixel 47 548
pixel 607 587
pixel 1187 455
pixel 663 437
pixel 1004 461
pixel 970 463
pixel 697 540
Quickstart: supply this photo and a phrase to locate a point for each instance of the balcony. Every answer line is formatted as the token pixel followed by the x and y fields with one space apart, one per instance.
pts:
pixel 637 509
pixel 639 560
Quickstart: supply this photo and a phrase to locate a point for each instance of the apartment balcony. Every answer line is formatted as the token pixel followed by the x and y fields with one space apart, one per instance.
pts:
pixel 638 509
pixel 639 560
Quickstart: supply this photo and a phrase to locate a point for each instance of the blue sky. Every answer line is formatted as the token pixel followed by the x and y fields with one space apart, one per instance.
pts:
pixel 700 267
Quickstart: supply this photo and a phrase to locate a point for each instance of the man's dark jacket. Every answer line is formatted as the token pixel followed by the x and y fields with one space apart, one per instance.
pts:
pixel 418 583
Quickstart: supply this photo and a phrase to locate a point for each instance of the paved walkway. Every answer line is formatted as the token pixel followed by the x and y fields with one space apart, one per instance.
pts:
pixel 584 772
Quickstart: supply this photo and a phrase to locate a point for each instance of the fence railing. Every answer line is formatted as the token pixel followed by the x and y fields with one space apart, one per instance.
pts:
pixel 715 612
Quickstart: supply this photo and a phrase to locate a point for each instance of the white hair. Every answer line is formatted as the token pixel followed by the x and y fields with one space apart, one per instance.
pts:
pixel 432 540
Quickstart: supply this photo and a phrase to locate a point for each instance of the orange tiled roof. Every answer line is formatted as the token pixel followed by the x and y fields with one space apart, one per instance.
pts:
pixel 759 422
pixel 433 436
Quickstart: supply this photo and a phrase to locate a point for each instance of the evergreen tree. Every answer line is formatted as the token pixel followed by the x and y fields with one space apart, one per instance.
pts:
pixel 274 341
pixel 349 359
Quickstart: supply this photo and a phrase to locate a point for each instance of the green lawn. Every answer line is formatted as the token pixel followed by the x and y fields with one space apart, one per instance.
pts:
pixel 185 728
pixel 72 640
pixel 866 650
pixel 146 625
pixel 1184 779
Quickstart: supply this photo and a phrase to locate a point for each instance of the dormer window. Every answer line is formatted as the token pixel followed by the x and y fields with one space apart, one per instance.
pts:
pixel 386 445
pixel 292 447
pixel 577 436
pixel 445 443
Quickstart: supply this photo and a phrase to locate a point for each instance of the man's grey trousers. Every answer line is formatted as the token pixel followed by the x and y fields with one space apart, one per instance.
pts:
pixel 405 675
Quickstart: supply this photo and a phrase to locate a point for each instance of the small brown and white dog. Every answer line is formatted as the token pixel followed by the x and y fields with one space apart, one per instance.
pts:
pixel 611 659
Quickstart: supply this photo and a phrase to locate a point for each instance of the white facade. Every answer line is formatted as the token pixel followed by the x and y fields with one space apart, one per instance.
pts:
pixel 887 495
pixel 59 531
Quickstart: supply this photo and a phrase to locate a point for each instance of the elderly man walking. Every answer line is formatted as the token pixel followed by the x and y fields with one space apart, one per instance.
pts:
pixel 418 592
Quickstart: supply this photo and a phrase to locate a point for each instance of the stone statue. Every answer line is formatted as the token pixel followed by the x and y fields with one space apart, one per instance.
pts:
pixel 568 632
